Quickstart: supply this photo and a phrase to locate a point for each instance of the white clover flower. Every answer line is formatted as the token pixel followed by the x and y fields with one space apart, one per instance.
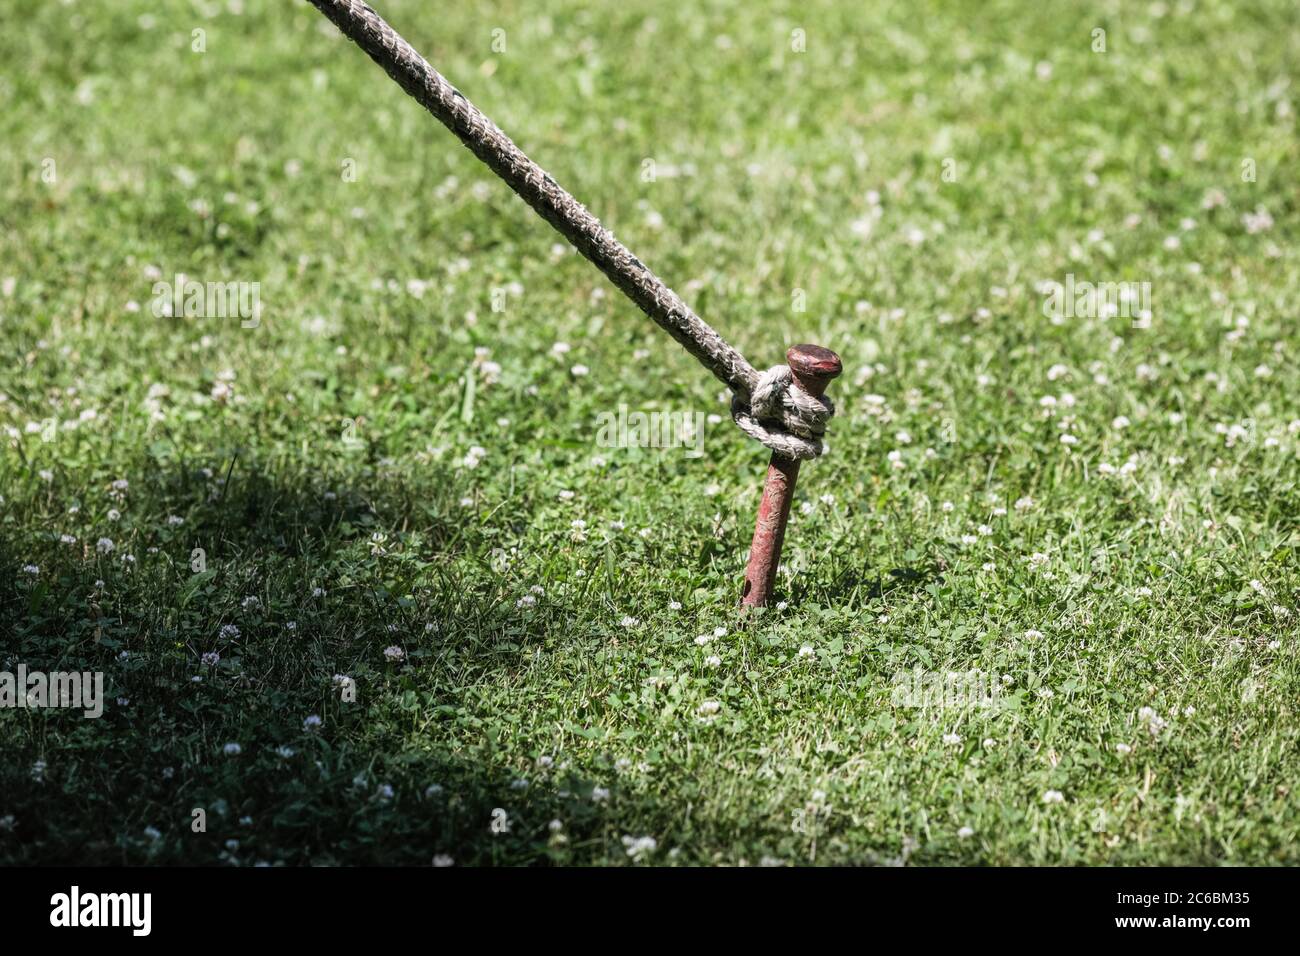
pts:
pixel 599 794
pixel 952 739
pixel 807 651
pixel 639 847
pixel 311 722
pixel 713 660
pixel 709 707
pixel 1257 221
pixel 1122 749
pixel 1033 635
pixel 1153 722
pixel 210 659
pixel 1053 796
pixel 105 546
pixel 232 749
pixel 965 833
pixel 228 632
pixel 394 653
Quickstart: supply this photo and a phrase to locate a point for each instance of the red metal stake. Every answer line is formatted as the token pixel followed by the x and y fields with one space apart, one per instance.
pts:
pixel 812 368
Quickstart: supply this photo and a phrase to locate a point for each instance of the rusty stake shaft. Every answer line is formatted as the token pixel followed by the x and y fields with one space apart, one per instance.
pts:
pixel 812 368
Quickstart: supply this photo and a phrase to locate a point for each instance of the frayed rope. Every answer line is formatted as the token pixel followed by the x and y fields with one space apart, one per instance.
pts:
pixel 782 416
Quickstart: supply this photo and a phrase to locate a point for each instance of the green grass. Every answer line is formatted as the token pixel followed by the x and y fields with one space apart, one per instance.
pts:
pixel 778 171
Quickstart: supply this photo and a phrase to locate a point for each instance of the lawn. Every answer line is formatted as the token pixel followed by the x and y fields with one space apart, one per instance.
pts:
pixel 367 586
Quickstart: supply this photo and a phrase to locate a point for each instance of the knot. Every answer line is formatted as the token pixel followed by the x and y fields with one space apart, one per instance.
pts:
pixel 782 416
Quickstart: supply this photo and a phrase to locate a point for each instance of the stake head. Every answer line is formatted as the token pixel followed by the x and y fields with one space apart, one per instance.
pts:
pixel 813 367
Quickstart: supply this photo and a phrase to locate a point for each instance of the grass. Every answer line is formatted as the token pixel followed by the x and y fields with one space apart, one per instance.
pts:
pixel 322 461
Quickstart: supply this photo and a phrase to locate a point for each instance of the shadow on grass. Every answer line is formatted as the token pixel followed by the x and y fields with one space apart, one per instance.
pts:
pixel 218 764
pixel 842 584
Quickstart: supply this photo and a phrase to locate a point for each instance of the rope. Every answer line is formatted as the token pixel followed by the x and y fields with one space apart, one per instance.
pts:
pixel 803 416
pixel 767 407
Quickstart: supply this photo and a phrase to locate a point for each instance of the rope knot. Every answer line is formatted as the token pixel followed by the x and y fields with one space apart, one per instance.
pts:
pixel 782 416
